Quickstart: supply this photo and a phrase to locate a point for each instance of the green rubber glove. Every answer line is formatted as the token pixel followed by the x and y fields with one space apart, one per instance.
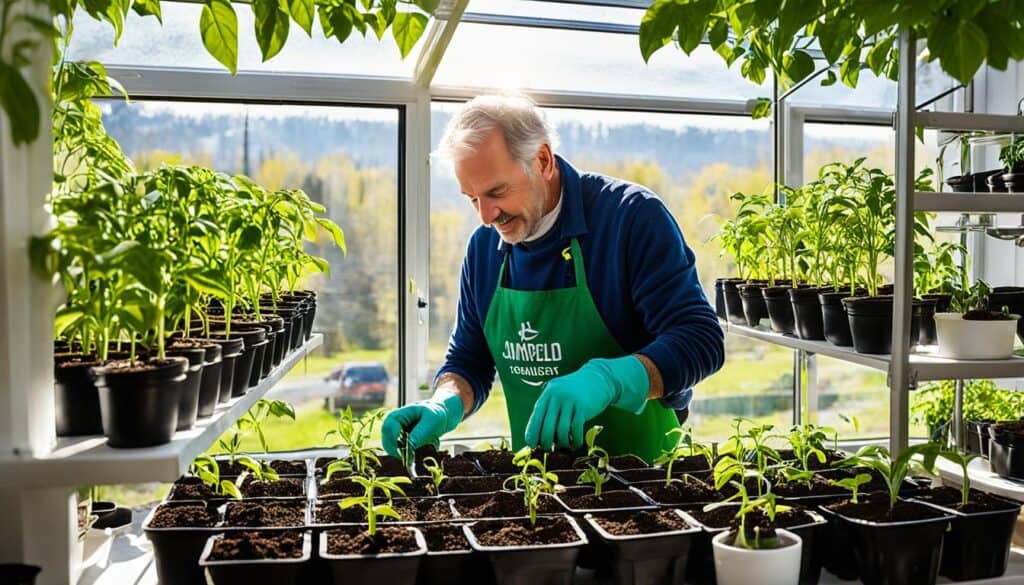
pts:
pixel 424 421
pixel 569 401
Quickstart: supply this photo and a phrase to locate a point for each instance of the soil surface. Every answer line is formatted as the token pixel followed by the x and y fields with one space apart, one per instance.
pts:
pixel 570 478
pixel 725 517
pixel 228 469
pixel 80 361
pixel 584 499
pixel 1013 427
pixel 877 483
pixel 346 487
pixel 654 474
pixel 623 462
pixel 410 510
pixel 680 492
pixel 192 488
pixel 819 486
pixel 389 466
pixel 281 488
pixel 184 515
pixel 456 465
pixel 357 542
pixel 877 510
pixel 265 514
pixel 288 467
pixel 444 537
pixel 640 522
pixel 280 544
pixel 129 367
pixel 980 315
pixel 977 501
pixel 831 457
pixel 501 505
pixel 562 458
pixel 472 485
pixel 496 461
pixel 519 532
pixel 189 344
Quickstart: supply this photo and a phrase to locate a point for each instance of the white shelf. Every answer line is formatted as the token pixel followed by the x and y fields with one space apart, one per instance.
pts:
pixel 982 478
pixel 965 121
pixel 89 460
pixel 924 365
pixel 969 202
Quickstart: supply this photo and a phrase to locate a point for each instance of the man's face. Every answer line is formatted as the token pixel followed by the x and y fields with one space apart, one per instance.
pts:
pixel 501 192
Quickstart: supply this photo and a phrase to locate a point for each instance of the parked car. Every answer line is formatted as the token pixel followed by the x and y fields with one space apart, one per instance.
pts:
pixel 358 384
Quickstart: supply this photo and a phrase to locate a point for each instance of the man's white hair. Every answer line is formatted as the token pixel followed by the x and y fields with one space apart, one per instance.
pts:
pixel 520 121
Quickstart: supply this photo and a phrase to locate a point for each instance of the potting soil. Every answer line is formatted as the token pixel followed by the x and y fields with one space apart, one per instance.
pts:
pixel 501 505
pixel 877 510
pixel 281 488
pixel 977 501
pixel 607 499
pixel 472 485
pixel 680 492
pixel 431 510
pixel 498 461
pixel 285 544
pixel 519 532
pixel 358 542
pixel 453 466
pixel 265 514
pixel 192 488
pixel 642 522
pixel 286 467
pixel 183 515
pixel 621 462
pixel 444 537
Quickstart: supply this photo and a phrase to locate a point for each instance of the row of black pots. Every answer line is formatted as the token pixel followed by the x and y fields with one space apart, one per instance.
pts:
pixel 994 181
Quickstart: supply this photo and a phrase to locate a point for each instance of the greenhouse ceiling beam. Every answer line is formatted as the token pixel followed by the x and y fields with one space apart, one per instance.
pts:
pixel 638 4
pixel 438 37
pixel 555 23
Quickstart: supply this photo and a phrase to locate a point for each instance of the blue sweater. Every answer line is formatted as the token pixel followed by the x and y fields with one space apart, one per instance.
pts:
pixel 641 275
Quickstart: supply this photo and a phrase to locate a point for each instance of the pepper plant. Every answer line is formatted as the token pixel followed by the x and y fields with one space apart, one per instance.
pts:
pixel 208 471
pixel 259 470
pixel 354 433
pixel 533 479
pixel 371 486
pixel 963 460
pixel 853 484
pixel 597 462
pixel 737 475
pixel 256 416
pixel 684 446
pixel 895 471
pixel 436 471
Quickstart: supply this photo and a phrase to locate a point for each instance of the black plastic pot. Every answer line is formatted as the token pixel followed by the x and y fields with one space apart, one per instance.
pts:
pixel 977 437
pixel 176 551
pixel 280 339
pixel 754 307
pixel 835 323
pixel 961 183
pixel 806 306
pixel 780 309
pixel 977 545
pixel 249 571
pixel 209 382
pixel 1014 182
pixel 231 349
pixel 140 408
pixel 733 302
pixel 551 564
pixel 926 333
pixel 260 353
pixel 648 559
pixel 255 342
pixel 835 547
pixel 907 553
pixel 871 323
pixel 721 303
pixel 188 389
pixel 14 574
pixel 1005 452
pixel 995 183
pixel 76 399
pixel 1011 297
pixel 389 568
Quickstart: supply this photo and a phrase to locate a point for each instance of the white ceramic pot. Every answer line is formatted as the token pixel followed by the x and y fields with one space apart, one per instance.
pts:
pixel 965 339
pixel 741 566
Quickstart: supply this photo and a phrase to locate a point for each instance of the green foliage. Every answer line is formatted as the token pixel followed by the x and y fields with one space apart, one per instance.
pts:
pixel 853 484
pixel 974 298
pixel 895 471
pixel 852 35
pixel 932 405
pixel 735 474
pixel 208 471
pixel 936 269
pixel 808 441
pixel 533 479
pixel 371 486
pixel 435 469
pixel 260 470
pixel 597 462
pixel 232 447
pixel 684 446
pixel 354 433
pixel 258 414
pixel 963 460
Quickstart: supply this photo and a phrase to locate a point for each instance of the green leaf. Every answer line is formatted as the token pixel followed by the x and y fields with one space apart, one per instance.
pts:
pixel 302 13
pixel 428 6
pixel 250 238
pixel 830 78
pixel 878 55
pixel 148 8
pixel 407 29
pixel 797 65
pixel 218 25
pixel 341 25
pixel 272 26
pixel 960 48
pixel 19 102
pixel 849 71
pixel 762 108
pixel 336 233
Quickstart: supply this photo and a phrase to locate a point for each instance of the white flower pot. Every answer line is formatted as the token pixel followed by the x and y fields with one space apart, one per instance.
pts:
pixel 966 339
pixel 741 566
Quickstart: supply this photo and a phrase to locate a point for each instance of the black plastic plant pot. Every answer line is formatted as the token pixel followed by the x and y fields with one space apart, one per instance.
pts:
pixel 835 323
pixel 733 302
pixel 209 382
pixel 280 338
pixel 140 407
pixel 245 362
pixel 76 399
pixel 231 349
pixel 1006 460
pixel 1011 297
pixel 645 559
pixel 871 323
pixel 15 574
pixel 188 405
pixel 721 304
pixel 259 354
pixel 806 306
pixel 452 567
pixel 961 183
pixel 977 545
pixel 897 552
pixel 642 502
pixel 176 551
pixel 1014 182
pixel 547 564
pixel 926 334
pixel 250 571
pixel 780 309
pixel 977 437
pixel 995 183
pixel 268 355
pixel 810 559
pixel 754 307
pixel 389 568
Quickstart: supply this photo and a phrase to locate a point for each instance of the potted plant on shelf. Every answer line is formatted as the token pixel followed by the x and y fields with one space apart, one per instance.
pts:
pixel 737 236
pixel 937 277
pixel 785 224
pixel 973 331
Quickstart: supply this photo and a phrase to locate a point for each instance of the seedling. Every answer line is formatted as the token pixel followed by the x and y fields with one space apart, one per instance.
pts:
pixel 853 484
pixel 895 471
pixel 258 415
pixel 436 471
pixel 597 462
pixel 354 433
pixel 232 447
pixel 533 478
pixel 808 441
pixel 334 467
pixel 684 447
pixel 963 460
pixel 259 470
pixel 208 471
pixel 371 485
pixel 765 501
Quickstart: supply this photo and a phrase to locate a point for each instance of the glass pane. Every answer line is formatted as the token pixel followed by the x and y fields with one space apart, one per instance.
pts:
pixel 848 390
pixel 558 10
pixel 178 44
pixel 344 158
pixel 520 57
pixel 693 162
pixel 825 143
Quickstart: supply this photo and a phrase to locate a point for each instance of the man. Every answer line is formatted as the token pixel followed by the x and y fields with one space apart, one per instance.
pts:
pixel 578 289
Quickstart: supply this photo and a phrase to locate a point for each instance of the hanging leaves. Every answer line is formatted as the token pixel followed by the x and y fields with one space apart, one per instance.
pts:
pixel 218 25
pixel 272 24
pixel 407 28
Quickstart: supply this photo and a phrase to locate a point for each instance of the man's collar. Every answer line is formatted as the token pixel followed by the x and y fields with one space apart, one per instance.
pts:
pixel 571 221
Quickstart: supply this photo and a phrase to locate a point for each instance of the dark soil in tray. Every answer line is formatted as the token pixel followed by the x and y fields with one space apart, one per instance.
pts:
pixel 444 537
pixel 980 315
pixel 519 532
pixel 583 498
pixel 977 501
pixel 877 510
pixel 192 488
pixel 1015 428
pixel 570 478
pixel 501 505
pixel 623 462
pixel 278 544
pixel 184 515
pixel 410 510
pixel 356 541
pixel 265 514
pixel 346 487
pixel 651 474
pixel 562 459
pixel 288 467
pixel 819 486
pixel 228 469
pixel 680 492
pixel 496 461
pixel 877 483
pixel 640 522
pixel 281 488
pixel 452 465
pixel 725 517
pixel 472 485
pixel 831 457
pixel 388 467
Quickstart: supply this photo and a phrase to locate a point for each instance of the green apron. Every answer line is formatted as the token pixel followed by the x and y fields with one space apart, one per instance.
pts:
pixel 535 336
